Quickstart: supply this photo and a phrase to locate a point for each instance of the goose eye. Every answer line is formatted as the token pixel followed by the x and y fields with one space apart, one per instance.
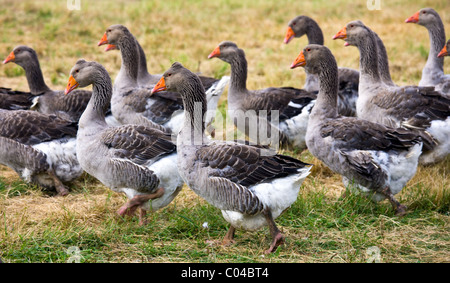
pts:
pixel 293 23
pixel 308 49
pixel 169 75
pixel 424 12
pixel 76 71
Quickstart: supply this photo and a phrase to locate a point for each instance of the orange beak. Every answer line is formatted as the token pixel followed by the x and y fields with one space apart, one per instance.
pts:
pixel 299 61
pixel 290 34
pixel 110 47
pixel 342 34
pixel 71 85
pixel 215 53
pixel 104 40
pixel 444 52
pixel 10 58
pixel 413 19
pixel 160 86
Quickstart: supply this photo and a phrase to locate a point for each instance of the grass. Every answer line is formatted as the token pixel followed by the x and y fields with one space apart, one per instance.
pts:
pixel 319 227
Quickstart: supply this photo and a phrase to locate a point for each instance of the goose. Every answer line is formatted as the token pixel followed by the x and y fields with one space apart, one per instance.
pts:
pixel 164 110
pixel 433 71
pixel 40 148
pixel 348 78
pixel 15 99
pixel 137 160
pixel 376 159
pixel 251 189
pixel 145 79
pixel 445 50
pixel 382 58
pixel 46 100
pixel 419 109
pixel 292 104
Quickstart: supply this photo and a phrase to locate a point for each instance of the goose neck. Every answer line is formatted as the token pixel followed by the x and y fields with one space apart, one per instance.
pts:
pixel 238 77
pixel 34 76
pixel 314 33
pixel 195 106
pixel 368 60
pixel 383 62
pixel 326 103
pixel 436 34
pixel 130 57
pixel 99 103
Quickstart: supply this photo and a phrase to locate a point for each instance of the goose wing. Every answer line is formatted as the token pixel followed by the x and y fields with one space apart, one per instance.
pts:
pixel 233 168
pixel 159 107
pixel 417 107
pixel 138 144
pixel 14 99
pixel 244 164
pixel 350 134
pixel 31 127
pixel 288 101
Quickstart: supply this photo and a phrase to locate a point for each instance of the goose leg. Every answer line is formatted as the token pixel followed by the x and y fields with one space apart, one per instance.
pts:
pixel 229 237
pixel 60 188
pixel 277 237
pixel 400 210
pixel 130 207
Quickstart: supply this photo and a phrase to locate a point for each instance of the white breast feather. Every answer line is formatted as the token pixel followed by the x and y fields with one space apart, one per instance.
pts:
pixel 167 171
pixel 440 130
pixel 295 127
pixel 277 195
pixel 61 155
pixel 400 168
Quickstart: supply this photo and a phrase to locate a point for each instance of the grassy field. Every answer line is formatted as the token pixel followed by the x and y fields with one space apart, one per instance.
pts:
pixel 319 227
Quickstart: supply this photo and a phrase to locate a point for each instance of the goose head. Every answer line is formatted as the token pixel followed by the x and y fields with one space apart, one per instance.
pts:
pixel 297 27
pixel 353 33
pixel 175 79
pixel 311 58
pixel 225 51
pixel 83 73
pixel 113 36
pixel 424 17
pixel 21 55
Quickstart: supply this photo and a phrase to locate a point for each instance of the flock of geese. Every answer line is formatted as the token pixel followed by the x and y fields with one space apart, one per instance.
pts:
pixel 359 123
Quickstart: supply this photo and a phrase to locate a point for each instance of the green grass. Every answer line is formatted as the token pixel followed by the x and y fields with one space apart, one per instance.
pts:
pixel 320 226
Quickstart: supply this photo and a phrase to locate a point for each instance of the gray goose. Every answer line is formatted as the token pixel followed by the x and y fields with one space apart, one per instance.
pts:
pixel 251 189
pixel 46 100
pixel 137 160
pixel 433 71
pixel 146 79
pixel 293 104
pixel 40 148
pixel 134 77
pixel 382 58
pixel 15 99
pixel 445 50
pixel 131 103
pixel 419 109
pixel 373 158
pixel 348 78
